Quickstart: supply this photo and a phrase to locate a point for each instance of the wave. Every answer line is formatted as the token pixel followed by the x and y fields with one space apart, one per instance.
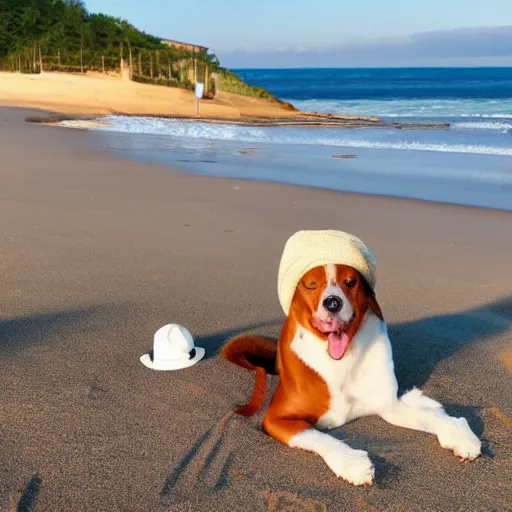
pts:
pixel 373 138
pixel 412 108
pixel 441 148
pixel 488 116
pixel 504 127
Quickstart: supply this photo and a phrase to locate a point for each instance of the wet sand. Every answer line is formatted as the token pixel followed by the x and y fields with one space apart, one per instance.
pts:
pixel 98 252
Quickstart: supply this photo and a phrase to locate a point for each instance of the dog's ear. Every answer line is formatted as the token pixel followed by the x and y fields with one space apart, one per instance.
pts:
pixel 372 300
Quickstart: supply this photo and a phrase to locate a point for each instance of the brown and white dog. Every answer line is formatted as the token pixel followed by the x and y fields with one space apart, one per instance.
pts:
pixel 335 364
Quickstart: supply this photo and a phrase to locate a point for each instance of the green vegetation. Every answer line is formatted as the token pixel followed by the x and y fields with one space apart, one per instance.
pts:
pixel 61 35
pixel 65 26
pixel 230 82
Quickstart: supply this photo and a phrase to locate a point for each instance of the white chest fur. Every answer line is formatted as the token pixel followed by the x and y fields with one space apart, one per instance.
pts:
pixel 362 382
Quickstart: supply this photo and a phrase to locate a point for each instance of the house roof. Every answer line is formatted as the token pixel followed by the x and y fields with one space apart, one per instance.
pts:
pixel 184 43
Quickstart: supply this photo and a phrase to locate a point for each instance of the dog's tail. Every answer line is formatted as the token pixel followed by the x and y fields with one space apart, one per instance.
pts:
pixel 257 354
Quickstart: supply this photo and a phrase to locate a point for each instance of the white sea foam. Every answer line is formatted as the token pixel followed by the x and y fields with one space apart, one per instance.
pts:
pixel 364 138
pixel 441 148
pixel 493 125
pixel 489 116
pixel 417 108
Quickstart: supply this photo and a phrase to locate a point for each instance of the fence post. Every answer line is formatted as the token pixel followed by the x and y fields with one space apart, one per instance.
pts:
pixel 103 64
pixel 131 60
pixel 58 58
pixel 195 66
pixel 35 57
pixel 81 55
pixel 140 64
pixel 40 60
pixel 151 65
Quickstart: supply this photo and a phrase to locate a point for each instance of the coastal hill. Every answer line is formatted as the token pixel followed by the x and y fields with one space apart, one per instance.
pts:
pixel 97 94
pixel 56 56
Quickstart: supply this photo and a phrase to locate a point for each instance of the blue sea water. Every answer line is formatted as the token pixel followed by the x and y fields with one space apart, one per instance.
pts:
pixel 420 93
pixel 469 163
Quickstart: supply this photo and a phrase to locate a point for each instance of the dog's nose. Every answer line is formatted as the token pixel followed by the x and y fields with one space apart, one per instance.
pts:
pixel 333 304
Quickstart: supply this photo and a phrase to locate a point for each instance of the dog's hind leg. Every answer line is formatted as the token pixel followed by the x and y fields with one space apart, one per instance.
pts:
pixel 418 412
pixel 354 466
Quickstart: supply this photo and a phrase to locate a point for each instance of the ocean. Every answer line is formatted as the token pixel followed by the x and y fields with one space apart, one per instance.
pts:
pixel 469 163
pixel 460 95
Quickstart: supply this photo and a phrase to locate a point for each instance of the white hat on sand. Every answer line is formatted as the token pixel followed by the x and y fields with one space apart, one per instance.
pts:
pixel 173 349
pixel 306 250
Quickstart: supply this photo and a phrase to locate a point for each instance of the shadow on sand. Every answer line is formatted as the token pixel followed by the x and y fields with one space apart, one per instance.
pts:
pixel 28 500
pixel 20 333
pixel 420 345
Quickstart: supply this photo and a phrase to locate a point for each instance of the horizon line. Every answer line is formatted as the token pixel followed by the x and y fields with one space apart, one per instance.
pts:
pixel 371 67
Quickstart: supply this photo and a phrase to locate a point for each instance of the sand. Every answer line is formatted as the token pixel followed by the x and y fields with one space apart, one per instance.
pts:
pixel 95 94
pixel 97 253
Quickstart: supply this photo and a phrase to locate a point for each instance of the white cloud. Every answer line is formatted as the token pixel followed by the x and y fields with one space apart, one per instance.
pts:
pixel 447 47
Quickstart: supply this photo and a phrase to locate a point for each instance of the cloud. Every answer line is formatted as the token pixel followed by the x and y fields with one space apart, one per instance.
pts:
pixel 462 46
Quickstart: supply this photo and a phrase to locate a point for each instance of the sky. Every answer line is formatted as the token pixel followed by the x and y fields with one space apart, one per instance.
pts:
pixel 309 33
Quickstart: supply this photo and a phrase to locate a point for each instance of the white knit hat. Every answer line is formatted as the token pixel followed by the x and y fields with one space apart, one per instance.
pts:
pixel 306 250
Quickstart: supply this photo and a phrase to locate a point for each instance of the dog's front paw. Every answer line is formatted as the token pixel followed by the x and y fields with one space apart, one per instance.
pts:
pixel 354 466
pixel 457 436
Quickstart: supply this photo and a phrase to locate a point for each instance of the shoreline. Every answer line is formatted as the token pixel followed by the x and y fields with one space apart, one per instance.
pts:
pixel 373 171
pixel 54 119
pixel 301 120
pixel 65 96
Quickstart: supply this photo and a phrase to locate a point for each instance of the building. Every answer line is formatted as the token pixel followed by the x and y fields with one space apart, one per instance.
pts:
pixel 195 48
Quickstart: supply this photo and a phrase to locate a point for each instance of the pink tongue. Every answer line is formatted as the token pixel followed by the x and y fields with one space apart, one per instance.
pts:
pixel 337 345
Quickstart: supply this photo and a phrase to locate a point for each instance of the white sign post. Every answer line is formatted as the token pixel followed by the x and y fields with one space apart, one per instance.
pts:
pixel 199 94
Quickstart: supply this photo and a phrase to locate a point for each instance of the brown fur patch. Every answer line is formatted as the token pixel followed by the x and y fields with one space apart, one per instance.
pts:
pixel 257 354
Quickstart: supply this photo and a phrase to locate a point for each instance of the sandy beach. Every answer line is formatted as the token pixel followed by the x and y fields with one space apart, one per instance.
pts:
pixel 97 94
pixel 98 252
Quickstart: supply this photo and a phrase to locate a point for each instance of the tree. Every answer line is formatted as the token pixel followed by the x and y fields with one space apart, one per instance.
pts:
pixel 69 36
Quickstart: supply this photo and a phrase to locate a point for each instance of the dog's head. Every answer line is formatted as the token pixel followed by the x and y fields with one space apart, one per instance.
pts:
pixel 331 301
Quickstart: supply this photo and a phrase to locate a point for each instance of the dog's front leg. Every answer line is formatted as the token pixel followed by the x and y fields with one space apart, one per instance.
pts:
pixel 354 466
pixel 418 412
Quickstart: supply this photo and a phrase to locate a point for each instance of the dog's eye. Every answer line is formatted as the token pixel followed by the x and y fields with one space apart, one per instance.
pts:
pixel 350 283
pixel 310 284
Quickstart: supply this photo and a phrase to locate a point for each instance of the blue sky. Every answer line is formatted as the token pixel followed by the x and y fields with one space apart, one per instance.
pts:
pixel 330 32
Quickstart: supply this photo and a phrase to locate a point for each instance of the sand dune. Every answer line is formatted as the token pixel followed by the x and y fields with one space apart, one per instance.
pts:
pixel 99 94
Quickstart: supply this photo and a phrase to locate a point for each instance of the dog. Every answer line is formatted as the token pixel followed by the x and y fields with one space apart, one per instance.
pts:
pixel 335 364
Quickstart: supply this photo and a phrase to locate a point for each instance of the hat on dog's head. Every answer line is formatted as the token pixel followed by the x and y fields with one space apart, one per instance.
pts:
pixel 306 250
